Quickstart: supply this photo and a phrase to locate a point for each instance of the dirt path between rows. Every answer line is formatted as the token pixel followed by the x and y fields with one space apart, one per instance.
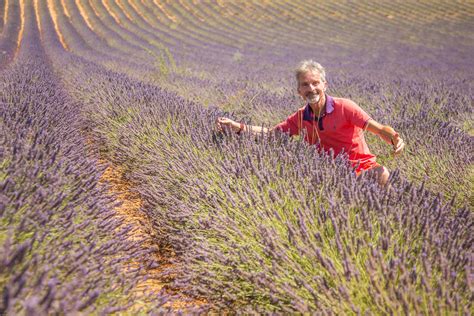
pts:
pixel 131 213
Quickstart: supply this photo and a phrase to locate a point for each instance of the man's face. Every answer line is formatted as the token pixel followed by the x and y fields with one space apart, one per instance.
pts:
pixel 311 87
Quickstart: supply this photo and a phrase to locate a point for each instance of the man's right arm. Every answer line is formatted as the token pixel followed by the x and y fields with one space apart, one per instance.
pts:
pixel 290 126
pixel 224 122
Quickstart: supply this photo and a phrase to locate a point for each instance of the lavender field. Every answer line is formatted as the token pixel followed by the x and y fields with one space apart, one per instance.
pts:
pixel 119 196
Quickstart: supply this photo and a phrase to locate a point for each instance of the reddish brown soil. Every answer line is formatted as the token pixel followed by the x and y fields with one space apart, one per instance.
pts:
pixel 130 211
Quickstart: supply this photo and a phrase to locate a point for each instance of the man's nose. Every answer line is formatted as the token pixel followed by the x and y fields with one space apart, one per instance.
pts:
pixel 312 86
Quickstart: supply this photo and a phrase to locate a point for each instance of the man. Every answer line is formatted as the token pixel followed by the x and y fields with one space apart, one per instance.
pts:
pixel 332 123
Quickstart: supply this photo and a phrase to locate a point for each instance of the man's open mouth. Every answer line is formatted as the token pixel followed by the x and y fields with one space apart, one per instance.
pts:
pixel 312 98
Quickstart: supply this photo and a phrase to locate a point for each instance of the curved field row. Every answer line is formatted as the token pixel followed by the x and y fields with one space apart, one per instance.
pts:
pixel 3 13
pixel 12 30
pixel 86 44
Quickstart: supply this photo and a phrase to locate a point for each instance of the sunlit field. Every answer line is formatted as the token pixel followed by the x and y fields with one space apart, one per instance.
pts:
pixel 120 195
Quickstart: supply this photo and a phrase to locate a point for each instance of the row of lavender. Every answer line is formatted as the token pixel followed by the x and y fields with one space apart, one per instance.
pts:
pixel 62 247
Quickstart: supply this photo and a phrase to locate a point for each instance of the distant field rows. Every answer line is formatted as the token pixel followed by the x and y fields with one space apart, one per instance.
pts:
pixel 149 25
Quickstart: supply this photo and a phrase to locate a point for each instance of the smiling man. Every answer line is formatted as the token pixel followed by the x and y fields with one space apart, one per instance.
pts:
pixel 330 122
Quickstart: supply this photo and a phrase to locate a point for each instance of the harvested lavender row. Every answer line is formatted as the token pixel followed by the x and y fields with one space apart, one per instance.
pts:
pixel 63 248
pixel 95 46
pixel 9 34
pixel 121 37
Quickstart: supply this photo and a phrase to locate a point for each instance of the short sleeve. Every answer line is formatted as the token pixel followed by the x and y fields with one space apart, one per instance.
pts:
pixel 290 125
pixel 355 115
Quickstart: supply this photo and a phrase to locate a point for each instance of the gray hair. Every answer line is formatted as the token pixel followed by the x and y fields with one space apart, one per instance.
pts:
pixel 310 66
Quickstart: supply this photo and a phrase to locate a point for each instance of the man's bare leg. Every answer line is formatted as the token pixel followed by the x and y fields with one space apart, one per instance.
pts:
pixel 382 175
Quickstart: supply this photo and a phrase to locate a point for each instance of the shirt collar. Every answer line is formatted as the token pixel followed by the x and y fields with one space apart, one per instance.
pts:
pixel 308 112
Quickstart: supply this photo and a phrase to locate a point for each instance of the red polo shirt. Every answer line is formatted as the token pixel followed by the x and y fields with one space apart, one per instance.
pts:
pixel 340 127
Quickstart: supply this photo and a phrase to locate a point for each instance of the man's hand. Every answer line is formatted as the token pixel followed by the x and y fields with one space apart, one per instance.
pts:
pixel 398 144
pixel 226 123
pixel 388 134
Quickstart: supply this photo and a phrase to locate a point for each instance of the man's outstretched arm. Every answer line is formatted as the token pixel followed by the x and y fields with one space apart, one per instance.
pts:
pixel 290 125
pixel 224 122
pixel 388 134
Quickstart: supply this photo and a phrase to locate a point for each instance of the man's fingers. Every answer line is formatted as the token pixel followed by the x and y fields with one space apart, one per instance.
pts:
pixel 220 123
pixel 223 123
pixel 399 147
pixel 398 150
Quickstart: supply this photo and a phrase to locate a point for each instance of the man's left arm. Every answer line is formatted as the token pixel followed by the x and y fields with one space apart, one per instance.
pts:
pixel 388 134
